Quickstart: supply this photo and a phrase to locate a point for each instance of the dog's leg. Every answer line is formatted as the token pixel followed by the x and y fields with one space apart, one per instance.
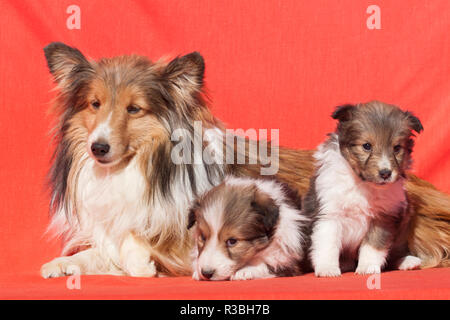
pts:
pixel 135 257
pixel 400 257
pixel 326 247
pixel 88 261
pixel 409 263
pixel 375 248
pixel 371 259
pixel 252 272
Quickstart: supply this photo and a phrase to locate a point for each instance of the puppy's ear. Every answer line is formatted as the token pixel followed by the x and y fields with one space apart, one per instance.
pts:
pixel 344 112
pixel 64 62
pixel 191 215
pixel 186 73
pixel 263 204
pixel 414 122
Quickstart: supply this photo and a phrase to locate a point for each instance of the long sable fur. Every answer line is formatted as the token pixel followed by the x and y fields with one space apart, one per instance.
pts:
pixel 175 106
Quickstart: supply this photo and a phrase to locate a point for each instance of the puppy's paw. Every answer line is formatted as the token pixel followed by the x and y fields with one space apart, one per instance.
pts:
pixel 368 269
pixel 327 271
pixel 243 274
pixel 141 270
pixel 195 275
pixel 409 263
pixel 59 267
pixel 252 272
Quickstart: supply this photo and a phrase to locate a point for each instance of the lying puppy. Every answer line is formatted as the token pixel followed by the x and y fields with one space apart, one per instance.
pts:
pixel 357 197
pixel 247 229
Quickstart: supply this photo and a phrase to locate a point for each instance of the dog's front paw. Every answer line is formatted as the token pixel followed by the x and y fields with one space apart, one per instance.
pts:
pixel 141 269
pixel 252 272
pixel 59 267
pixel 243 274
pixel 195 275
pixel 368 269
pixel 409 263
pixel 327 271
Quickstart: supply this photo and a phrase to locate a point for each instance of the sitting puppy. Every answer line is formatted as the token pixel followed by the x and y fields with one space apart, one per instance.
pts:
pixel 247 229
pixel 357 199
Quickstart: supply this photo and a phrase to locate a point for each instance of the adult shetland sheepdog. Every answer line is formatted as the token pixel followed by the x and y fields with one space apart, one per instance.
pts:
pixel 118 199
pixel 120 202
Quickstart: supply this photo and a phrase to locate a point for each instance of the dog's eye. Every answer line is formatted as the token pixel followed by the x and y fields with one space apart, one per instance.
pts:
pixel 367 146
pixel 231 242
pixel 95 104
pixel 133 109
pixel 397 148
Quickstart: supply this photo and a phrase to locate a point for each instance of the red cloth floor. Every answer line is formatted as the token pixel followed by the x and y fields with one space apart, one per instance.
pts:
pixel 419 284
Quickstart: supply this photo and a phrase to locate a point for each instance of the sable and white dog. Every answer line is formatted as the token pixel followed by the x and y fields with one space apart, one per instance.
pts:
pixel 357 197
pixel 247 229
pixel 118 200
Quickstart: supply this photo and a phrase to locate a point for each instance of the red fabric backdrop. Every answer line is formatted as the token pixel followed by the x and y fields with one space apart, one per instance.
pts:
pixel 269 64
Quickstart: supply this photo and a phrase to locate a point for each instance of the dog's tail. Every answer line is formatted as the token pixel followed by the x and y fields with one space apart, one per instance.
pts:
pixel 173 259
pixel 429 238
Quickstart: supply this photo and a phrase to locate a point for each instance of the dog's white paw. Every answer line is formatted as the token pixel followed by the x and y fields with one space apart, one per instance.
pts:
pixel 409 263
pixel 368 269
pixel 59 267
pixel 243 274
pixel 141 270
pixel 195 275
pixel 327 271
pixel 252 272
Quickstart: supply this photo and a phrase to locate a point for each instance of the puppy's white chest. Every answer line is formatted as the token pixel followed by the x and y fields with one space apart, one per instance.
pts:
pixel 349 207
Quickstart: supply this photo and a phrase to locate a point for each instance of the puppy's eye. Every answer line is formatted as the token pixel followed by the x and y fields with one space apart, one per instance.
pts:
pixel 367 146
pixel 95 104
pixel 231 242
pixel 131 109
pixel 397 148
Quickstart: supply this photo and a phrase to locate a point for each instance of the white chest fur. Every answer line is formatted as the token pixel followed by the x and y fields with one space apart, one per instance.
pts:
pixel 110 204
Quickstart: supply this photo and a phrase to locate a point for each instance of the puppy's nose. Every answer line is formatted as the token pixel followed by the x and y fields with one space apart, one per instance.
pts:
pixel 100 149
pixel 208 273
pixel 385 174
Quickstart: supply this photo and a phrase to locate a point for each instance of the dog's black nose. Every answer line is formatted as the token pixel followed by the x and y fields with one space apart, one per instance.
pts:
pixel 99 149
pixel 385 174
pixel 208 273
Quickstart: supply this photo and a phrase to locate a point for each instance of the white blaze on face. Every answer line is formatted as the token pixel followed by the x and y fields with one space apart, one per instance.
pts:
pixel 101 133
pixel 213 255
pixel 385 164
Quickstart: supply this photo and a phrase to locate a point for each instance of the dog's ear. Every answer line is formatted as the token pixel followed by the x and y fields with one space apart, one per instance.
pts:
pixel 414 122
pixel 64 62
pixel 191 219
pixel 263 204
pixel 344 112
pixel 191 215
pixel 186 73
